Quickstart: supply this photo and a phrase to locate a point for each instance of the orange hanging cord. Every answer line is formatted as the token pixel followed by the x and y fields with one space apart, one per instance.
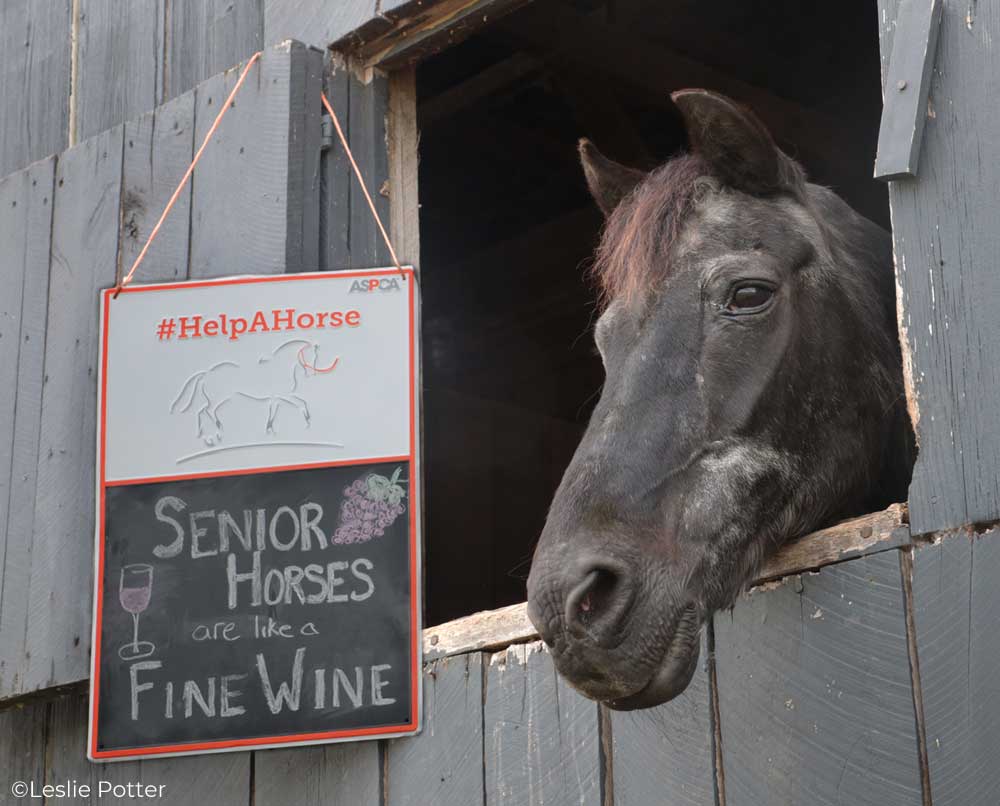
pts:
pixel 124 281
pixel 361 181
pixel 187 175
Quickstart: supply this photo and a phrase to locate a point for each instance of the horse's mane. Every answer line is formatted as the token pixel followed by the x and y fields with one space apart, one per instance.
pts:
pixel 640 231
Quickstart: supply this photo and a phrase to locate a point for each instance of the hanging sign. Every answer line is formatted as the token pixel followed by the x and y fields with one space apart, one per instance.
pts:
pixel 257 548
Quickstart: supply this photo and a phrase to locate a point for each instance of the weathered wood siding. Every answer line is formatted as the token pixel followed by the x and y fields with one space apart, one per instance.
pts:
pixel 665 754
pixel 69 71
pixel 957 600
pixel 946 248
pixel 810 696
pixel 25 242
pixel 869 682
pixel 81 217
pixel 34 80
pixel 68 225
pixel 815 693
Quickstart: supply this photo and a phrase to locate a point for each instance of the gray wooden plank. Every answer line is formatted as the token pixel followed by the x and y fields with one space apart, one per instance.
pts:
pixel 34 81
pixel 22 748
pixel 663 755
pixel 119 47
pixel 815 698
pixel 946 241
pixel 542 742
pixel 242 219
pixel 205 37
pixel 25 233
pixel 226 778
pixel 908 83
pixel 956 600
pixel 403 145
pixel 222 780
pixel 346 774
pixel 315 22
pixel 158 149
pixel 335 207
pixel 84 260
pixel 366 134
pixel 66 751
pixel 444 764
pixel 304 136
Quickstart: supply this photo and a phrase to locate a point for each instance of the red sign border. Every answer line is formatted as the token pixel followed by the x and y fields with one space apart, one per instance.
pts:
pixel 283 740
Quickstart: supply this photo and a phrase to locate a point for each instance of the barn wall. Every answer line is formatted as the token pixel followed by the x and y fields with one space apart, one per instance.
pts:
pixel 867 682
pixel 946 248
pixel 805 695
pixel 69 224
pixel 65 76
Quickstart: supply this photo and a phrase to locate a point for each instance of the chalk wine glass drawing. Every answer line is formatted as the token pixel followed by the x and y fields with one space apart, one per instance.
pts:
pixel 134 590
pixel 275 379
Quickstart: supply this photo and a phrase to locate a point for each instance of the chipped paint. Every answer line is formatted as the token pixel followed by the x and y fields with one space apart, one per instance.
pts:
pixel 906 347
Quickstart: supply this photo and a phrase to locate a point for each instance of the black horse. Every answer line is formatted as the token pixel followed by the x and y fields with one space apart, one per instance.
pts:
pixel 753 393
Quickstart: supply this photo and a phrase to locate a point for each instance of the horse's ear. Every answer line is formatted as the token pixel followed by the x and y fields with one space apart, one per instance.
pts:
pixel 734 142
pixel 609 181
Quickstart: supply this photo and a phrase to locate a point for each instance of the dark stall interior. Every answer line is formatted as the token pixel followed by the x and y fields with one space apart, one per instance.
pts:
pixel 507 227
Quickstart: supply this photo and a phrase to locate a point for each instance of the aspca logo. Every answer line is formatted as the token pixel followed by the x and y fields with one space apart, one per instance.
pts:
pixel 373 284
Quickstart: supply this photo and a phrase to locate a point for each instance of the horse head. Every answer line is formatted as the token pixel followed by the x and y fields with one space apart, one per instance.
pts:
pixel 753 393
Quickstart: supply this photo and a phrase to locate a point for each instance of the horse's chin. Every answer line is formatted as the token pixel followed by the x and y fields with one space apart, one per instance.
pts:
pixel 674 673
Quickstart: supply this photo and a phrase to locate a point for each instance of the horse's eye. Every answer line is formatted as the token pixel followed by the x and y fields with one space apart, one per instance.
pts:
pixel 749 297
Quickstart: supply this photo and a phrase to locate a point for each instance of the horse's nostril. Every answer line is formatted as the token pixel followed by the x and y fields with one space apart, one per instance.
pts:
pixel 597 602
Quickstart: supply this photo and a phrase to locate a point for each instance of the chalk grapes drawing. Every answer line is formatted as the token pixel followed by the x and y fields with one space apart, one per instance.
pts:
pixel 371 505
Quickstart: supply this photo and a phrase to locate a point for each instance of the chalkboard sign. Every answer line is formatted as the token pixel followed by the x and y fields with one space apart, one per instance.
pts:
pixel 257 544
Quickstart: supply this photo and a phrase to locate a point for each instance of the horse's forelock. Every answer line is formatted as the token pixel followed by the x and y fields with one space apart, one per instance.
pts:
pixel 639 233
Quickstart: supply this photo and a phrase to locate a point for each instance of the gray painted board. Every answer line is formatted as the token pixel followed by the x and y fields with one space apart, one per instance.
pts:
pixel 66 750
pixel 444 764
pixel 908 83
pixel 316 22
pixel 118 62
pixel 335 211
pixel 222 780
pixel 34 80
pixel 25 232
pixel 542 737
pixel 84 260
pixel 346 774
pixel 158 149
pixel 815 697
pixel 956 600
pixel 366 134
pixel 22 749
pixel 663 755
pixel 205 37
pixel 243 221
pixel 946 242
pixel 304 141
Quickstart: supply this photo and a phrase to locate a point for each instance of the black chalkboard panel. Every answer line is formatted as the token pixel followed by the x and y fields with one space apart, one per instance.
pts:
pixel 253 608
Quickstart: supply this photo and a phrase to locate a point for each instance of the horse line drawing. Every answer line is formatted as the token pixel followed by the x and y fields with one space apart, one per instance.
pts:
pixel 274 379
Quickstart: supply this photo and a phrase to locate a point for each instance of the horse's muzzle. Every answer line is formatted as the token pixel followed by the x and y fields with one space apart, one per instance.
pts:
pixel 613 634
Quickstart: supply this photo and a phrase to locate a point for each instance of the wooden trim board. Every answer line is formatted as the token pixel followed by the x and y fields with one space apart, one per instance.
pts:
pixel 869 534
pixel 409 30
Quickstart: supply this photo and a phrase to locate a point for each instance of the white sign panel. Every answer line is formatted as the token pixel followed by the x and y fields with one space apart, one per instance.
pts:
pixel 257 551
